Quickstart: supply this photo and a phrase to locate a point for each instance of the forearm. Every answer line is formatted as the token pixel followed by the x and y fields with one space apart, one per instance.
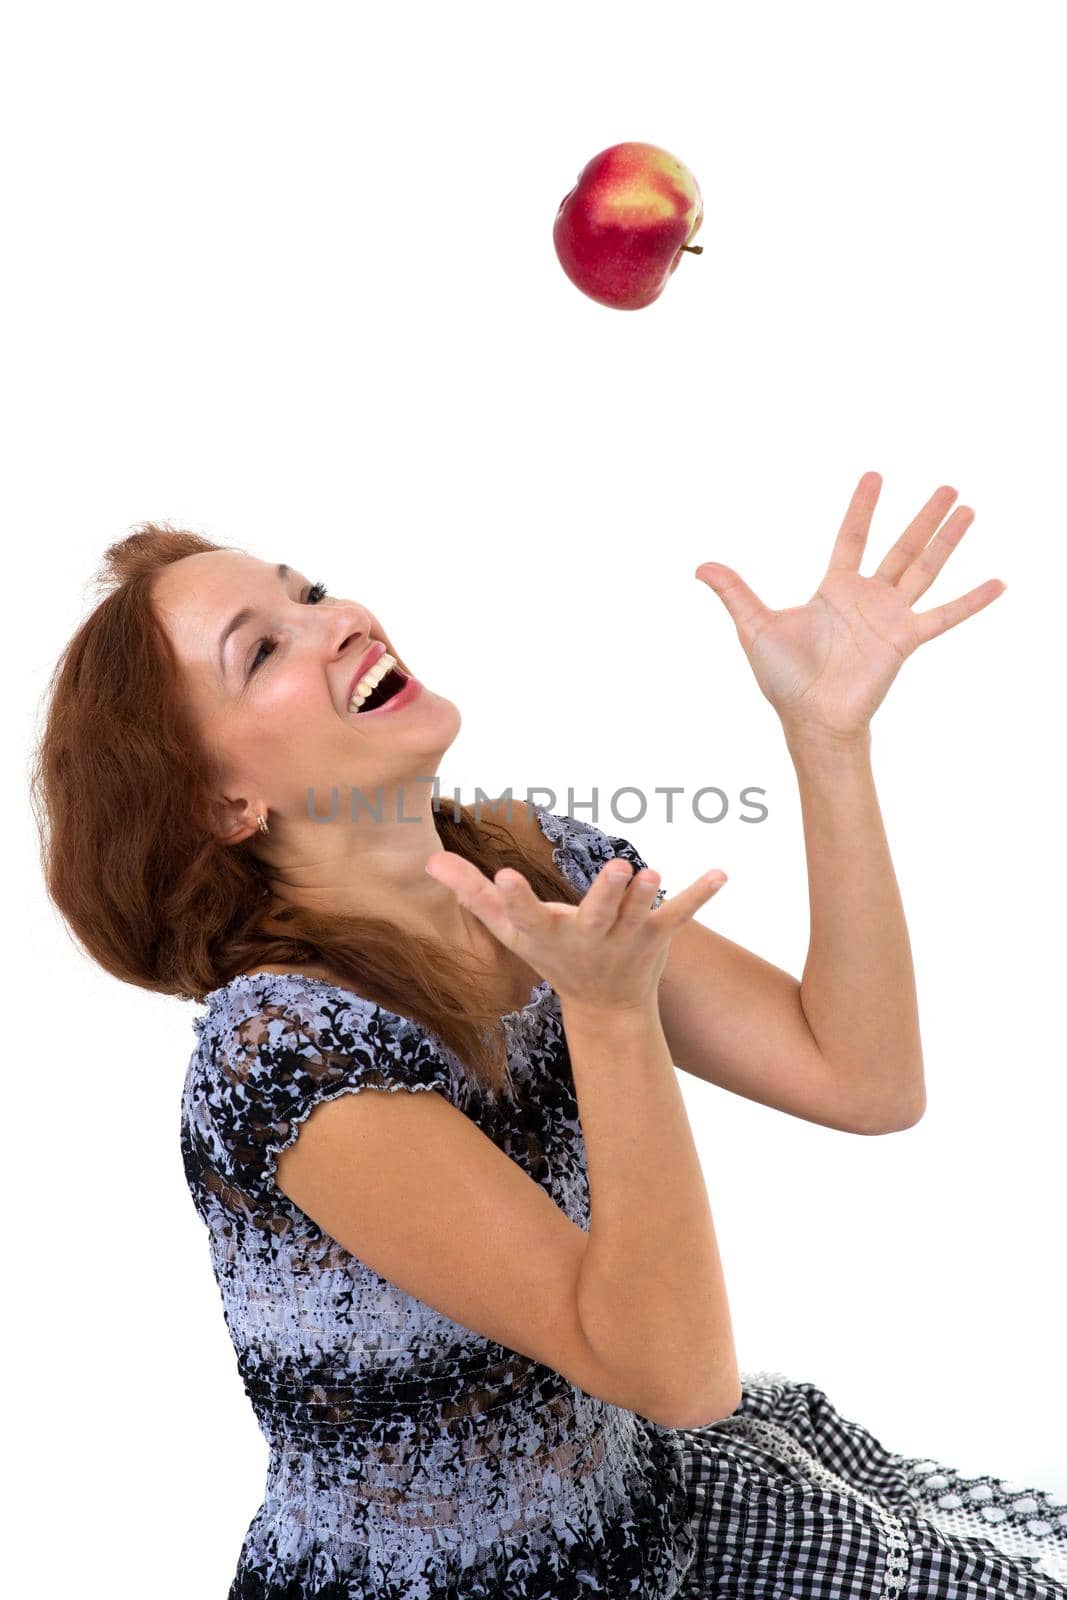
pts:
pixel 858 986
pixel 652 1298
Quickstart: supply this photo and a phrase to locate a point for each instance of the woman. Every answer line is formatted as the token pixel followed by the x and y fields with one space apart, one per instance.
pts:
pixel 483 1324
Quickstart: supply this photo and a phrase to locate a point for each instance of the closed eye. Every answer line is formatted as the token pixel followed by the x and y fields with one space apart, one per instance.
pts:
pixel 314 595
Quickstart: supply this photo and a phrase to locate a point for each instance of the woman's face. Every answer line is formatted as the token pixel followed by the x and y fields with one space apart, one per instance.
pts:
pixel 271 695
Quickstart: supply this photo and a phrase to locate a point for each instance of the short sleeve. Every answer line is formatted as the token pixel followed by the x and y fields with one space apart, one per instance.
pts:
pixel 581 848
pixel 276 1048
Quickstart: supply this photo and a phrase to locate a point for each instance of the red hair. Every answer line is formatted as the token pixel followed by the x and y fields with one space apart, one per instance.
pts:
pixel 121 789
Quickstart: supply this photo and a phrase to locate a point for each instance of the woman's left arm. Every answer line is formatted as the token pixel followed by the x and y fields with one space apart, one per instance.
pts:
pixel 842 1047
pixel 857 991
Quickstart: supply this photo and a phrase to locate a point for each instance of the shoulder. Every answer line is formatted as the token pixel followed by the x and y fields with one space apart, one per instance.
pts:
pixel 276 1045
pixel 579 848
pixel 290 1032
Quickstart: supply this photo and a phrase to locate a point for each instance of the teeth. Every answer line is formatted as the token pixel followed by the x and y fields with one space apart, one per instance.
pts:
pixel 370 680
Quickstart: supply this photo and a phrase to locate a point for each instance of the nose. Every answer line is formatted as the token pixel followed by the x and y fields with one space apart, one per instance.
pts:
pixel 353 633
pixel 359 630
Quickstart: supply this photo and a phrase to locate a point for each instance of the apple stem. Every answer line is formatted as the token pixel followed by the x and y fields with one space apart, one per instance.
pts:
pixel 697 249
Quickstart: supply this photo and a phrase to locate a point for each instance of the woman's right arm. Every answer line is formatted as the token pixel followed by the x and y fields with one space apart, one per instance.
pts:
pixel 641 1299
pixel 651 1292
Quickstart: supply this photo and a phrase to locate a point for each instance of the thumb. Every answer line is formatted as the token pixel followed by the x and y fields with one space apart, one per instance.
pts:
pixel 745 607
pixel 474 891
pixel 456 873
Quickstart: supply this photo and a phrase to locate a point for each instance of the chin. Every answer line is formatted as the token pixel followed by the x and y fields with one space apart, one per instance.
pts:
pixel 449 716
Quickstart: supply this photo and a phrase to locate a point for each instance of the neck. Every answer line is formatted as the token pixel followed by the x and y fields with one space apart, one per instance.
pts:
pixel 368 866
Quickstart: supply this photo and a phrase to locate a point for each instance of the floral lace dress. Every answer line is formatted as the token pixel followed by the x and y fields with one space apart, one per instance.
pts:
pixel 412 1459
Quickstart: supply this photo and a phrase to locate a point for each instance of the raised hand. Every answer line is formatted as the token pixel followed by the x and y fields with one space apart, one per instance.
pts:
pixel 608 951
pixel 825 666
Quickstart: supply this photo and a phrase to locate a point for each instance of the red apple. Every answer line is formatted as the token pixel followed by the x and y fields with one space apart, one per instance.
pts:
pixel 620 232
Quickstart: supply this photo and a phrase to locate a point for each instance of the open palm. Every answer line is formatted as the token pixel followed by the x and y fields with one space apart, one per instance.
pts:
pixel 826 665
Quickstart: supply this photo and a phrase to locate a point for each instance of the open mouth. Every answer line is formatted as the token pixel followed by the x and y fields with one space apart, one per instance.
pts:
pixel 390 685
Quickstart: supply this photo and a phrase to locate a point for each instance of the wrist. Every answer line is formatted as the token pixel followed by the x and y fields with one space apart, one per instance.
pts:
pixel 824 745
pixel 601 1017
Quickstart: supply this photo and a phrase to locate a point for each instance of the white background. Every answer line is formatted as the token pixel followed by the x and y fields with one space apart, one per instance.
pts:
pixel 285 275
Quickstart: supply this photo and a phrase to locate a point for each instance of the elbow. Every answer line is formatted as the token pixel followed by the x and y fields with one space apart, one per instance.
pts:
pixel 899 1108
pixel 898 1122
pixel 703 1413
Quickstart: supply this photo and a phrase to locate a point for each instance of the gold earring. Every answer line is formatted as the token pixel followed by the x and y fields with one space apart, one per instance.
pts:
pixel 262 821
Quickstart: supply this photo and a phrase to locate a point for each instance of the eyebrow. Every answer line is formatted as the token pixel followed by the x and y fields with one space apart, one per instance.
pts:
pixel 241 617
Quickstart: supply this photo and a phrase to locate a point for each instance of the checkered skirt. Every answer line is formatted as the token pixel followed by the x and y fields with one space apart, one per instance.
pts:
pixel 792 1501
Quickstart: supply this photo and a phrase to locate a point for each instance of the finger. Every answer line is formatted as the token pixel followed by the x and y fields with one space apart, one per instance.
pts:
pixel 639 897
pixel 940 618
pixel 917 534
pixel 851 540
pixel 523 908
pixel 682 907
pixel 917 578
pixel 600 904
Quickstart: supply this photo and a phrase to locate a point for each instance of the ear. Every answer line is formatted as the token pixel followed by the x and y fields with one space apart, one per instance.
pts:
pixel 234 821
